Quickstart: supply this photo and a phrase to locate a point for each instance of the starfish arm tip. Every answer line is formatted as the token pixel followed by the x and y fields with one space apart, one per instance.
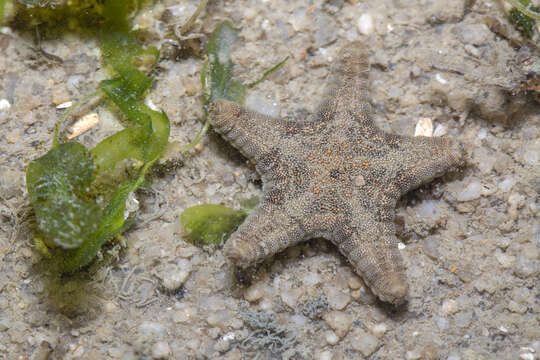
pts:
pixel 393 289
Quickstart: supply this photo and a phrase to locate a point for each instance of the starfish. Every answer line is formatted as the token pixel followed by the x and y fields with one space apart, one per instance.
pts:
pixel 333 175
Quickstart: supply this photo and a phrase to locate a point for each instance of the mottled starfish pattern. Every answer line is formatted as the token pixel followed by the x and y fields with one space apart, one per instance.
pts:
pixel 334 175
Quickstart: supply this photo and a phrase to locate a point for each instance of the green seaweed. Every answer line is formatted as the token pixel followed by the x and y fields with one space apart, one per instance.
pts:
pixel 56 184
pixel 211 224
pixel 55 17
pixel 217 79
pixel 2 8
pixel 76 212
pixel 217 73
pixel 519 15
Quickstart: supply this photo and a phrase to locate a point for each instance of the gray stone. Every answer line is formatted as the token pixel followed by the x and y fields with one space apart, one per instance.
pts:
pixel 338 321
pixel 364 342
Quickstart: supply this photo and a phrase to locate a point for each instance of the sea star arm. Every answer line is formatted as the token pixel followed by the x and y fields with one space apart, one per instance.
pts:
pixel 348 89
pixel 268 230
pixel 421 159
pixel 250 132
pixel 372 249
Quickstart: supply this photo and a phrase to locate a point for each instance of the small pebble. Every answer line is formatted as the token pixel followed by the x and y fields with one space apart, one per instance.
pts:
pixel 337 299
pixel 450 307
pixel 355 282
pixel 379 329
pixel 290 296
pixel 110 307
pixel 506 261
pixel 440 130
pixel 174 279
pixel 42 352
pixel 4 105
pixel 472 191
pixel 161 350
pixel 223 344
pixel 325 355
pixel 526 267
pixel 424 127
pixel 364 342
pixel 365 24
pixel 339 321
pixel 331 337
pixel 440 79
pixel 255 292
pixel 65 105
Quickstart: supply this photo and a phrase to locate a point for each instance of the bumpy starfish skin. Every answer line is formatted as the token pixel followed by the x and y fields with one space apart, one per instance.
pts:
pixel 333 175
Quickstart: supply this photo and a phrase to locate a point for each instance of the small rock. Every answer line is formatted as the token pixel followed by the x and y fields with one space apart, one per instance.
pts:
pixel 474 34
pixel 42 352
pixel 424 127
pixel 174 279
pixel 516 308
pixel 484 158
pixel 365 24
pixel 110 307
pixel 472 191
pixel 463 319
pixel 337 299
pixel 325 355
pixel 364 296
pixel 355 282
pixel 255 292
pixel 4 105
pixel 526 267
pixel 440 130
pixel 161 350
pixel 453 357
pixel 224 343
pixel 506 261
pixel 450 307
pixel 339 321
pixel 331 337
pixel 364 342
pixel 507 184
pixel 290 296
pixel 379 329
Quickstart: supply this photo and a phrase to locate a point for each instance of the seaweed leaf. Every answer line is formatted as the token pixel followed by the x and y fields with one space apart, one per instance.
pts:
pixel 72 223
pixel 523 16
pixel 210 223
pixel 2 7
pixel 217 74
pixel 56 182
pixel 217 80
